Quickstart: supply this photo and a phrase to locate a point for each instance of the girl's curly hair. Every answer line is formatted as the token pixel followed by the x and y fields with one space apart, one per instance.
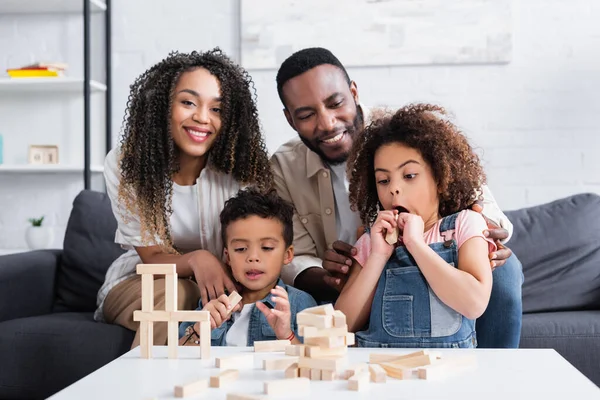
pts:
pixel 424 127
pixel 149 155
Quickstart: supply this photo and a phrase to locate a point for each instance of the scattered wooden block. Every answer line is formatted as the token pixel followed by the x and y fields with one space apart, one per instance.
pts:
pixel 298 386
pixel 242 396
pixel 349 339
pixel 156 269
pixel 414 362
pixel 292 371
pixel 328 375
pixel 378 374
pixel 311 331
pixel 314 320
pixel 318 351
pixel 446 368
pixel 395 371
pixel 279 363
pixel 191 388
pixel 355 369
pixel 304 372
pixel 325 309
pixel 329 363
pixel 315 374
pixel 270 345
pixel 238 361
pixel 376 358
pixel 225 377
pixel 297 350
pixel 359 382
pixel 339 319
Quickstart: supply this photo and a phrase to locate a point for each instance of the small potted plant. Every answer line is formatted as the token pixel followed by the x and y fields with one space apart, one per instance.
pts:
pixel 38 236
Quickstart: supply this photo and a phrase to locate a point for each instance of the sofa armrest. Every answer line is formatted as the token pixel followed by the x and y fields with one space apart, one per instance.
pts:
pixel 27 283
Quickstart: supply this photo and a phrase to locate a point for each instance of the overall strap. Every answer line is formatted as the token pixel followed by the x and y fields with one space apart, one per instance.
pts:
pixel 447 228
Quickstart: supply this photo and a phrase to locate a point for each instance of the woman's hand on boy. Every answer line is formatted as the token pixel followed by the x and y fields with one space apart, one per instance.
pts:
pixel 279 318
pixel 220 310
pixel 210 274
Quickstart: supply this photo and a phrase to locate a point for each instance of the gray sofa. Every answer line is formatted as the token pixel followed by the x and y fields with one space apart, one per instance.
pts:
pixel 49 340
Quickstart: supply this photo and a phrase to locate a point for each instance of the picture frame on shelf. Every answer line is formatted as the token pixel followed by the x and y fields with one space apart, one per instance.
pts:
pixel 43 154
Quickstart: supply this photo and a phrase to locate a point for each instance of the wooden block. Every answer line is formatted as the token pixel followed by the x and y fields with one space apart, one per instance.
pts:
pixel 189 316
pixel 376 358
pixel 359 381
pixel 304 372
pixel 292 371
pixel 392 236
pixel 328 375
pixel 234 298
pixel 279 363
pixel 156 316
pixel 191 388
pixel 446 368
pixel 339 319
pixel 314 320
pixel 298 350
pixel 205 340
pixel 238 361
pixel 355 369
pixel 318 351
pixel 225 377
pixel 395 371
pixel 377 373
pixel 315 374
pixel 349 339
pixel 242 396
pixel 146 339
pixel 270 345
pixel 311 331
pixel 329 363
pixel 147 292
pixel 297 386
pixel 173 338
pixel 171 292
pixel 414 362
pixel 326 342
pixel 156 269
pixel 325 309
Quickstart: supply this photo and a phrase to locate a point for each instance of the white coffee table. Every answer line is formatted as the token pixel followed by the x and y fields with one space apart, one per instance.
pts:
pixel 499 375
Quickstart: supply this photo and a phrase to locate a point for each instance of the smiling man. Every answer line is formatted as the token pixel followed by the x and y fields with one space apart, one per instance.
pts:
pixel 321 103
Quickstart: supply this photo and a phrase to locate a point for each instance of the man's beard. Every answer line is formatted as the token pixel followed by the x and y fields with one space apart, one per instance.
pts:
pixel 352 130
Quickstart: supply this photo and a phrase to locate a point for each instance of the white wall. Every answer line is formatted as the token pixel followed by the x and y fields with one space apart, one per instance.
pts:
pixel 534 120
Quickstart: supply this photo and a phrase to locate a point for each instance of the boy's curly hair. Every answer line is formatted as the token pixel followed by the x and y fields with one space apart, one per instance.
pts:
pixel 149 155
pixel 249 202
pixel 424 127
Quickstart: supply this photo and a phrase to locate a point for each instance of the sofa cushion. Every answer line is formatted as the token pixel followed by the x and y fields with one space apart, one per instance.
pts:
pixel 88 251
pixel 558 244
pixel 42 355
pixel 575 335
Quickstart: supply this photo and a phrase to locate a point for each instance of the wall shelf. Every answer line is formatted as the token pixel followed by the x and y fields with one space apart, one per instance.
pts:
pixel 46 168
pixel 63 84
pixel 48 6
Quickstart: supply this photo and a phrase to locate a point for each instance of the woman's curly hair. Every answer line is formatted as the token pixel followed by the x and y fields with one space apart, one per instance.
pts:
pixel 149 155
pixel 455 167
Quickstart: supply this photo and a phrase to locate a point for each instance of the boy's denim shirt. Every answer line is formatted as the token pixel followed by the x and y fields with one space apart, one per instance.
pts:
pixel 258 328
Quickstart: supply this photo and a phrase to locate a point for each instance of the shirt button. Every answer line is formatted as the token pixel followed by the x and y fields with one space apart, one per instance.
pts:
pixel 328 211
pixel 304 220
pixel 325 174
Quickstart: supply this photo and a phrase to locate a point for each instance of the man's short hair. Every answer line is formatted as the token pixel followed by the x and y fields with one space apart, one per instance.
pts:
pixel 304 60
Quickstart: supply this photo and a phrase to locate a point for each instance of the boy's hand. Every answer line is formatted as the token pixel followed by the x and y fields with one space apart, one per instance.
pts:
pixel 279 318
pixel 220 311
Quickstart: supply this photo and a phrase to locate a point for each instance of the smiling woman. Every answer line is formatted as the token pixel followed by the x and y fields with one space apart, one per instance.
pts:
pixel 191 139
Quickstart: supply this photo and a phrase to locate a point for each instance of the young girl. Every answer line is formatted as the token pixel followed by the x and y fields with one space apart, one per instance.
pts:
pixel 414 171
pixel 191 139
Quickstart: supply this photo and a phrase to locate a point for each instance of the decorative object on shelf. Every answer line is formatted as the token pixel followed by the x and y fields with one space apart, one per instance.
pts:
pixel 43 154
pixel 38 70
pixel 38 236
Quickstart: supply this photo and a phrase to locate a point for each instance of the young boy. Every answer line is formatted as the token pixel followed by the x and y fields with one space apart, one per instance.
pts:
pixel 257 234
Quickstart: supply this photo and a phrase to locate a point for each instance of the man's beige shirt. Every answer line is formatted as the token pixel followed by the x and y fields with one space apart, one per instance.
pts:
pixel 303 179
